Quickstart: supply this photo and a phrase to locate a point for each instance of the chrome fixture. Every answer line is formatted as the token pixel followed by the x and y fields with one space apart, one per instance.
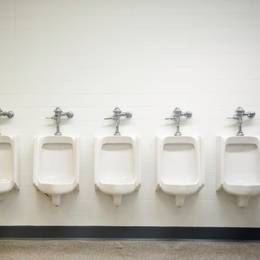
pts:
pixel 8 114
pixel 239 114
pixel 117 116
pixel 177 114
pixel 58 114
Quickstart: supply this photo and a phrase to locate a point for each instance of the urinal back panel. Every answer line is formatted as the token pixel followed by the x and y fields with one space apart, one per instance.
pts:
pixel 117 162
pixel 179 163
pixel 242 163
pixel 6 161
pixel 56 163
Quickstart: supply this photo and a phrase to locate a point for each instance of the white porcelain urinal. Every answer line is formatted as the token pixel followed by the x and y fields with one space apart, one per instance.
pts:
pixel 56 165
pixel 8 164
pixel 239 166
pixel 179 166
pixel 117 165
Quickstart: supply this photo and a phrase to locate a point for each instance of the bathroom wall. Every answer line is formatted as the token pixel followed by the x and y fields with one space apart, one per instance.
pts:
pixel 146 57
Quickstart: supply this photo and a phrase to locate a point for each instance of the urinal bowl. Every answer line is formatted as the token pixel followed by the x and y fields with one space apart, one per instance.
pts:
pixel 239 167
pixel 179 166
pixel 117 165
pixel 56 165
pixel 8 164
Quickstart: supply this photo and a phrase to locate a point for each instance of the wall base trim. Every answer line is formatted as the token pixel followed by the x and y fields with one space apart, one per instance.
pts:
pixel 128 232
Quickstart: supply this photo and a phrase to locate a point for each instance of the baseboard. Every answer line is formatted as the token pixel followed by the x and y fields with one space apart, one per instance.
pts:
pixel 128 232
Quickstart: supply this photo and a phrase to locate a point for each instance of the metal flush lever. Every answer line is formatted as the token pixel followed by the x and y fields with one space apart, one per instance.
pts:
pixel 117 116
pixel 177 114
pixel 8 114
pixel 239 114
pixel 58 114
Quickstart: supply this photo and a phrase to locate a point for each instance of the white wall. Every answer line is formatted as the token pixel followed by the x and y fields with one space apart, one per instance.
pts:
pixel 146 57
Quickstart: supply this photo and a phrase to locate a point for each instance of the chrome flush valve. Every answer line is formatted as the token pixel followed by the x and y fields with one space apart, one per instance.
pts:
pixel 8 114
pixel 117 116
pixel 58 115
pixel 239 114
pixel 177 114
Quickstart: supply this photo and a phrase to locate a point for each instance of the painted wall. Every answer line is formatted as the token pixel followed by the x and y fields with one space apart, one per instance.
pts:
pixel 146 57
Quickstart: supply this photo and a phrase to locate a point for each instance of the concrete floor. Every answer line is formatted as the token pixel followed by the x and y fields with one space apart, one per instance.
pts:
pixel 114 250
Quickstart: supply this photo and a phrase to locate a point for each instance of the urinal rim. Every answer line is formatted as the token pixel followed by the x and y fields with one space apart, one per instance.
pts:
pixel 195 138
pixel 238 193
pixel 197 187
pixel 10 182
pixel 102 187
pixel 242 185
pixel 134 182
pixel 41 138
pixel 11 137
pixel 115 138
pixel 255 139
pixel 39 187
pixel 195 183
pixel 60 183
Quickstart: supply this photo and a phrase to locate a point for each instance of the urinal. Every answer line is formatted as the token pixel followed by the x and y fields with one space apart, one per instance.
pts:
pixel 8 164
pixel 238 162
pixel 179 166
pixel 180 170
pixel 117 165
pixel 8 159
pixel 56 163
pixel 239 166
pixel 117 162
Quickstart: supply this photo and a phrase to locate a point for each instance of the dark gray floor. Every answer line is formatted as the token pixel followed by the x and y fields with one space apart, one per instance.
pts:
pixel 114 250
